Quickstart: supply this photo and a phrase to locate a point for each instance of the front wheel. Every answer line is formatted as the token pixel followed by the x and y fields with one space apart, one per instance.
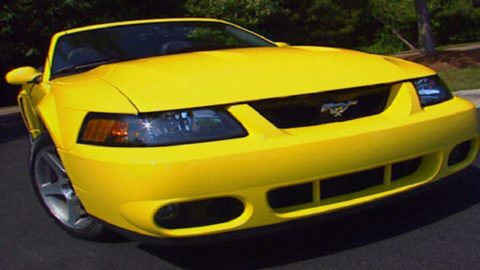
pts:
pixel 56 194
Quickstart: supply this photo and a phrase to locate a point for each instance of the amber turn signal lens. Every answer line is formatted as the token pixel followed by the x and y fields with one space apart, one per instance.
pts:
pixel 101 130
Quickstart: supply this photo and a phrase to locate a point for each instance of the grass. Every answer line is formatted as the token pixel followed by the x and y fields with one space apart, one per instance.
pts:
pixel 462 79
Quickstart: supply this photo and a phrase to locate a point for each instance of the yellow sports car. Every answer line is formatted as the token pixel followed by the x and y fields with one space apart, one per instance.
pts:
pixel 185 129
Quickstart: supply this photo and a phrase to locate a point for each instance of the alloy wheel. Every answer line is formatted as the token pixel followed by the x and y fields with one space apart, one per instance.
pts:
pixel 56 190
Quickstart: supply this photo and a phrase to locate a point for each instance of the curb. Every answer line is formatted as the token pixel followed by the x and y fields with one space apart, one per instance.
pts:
pixel 9 116
pixel 472 95
pixel 452 48
pixel 6 111
pixel 11 124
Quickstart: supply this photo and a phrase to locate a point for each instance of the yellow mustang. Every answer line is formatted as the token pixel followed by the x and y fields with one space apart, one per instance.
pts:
pixel 177 129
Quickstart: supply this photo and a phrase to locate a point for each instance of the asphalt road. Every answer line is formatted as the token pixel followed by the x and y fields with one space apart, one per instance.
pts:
pixel 436 229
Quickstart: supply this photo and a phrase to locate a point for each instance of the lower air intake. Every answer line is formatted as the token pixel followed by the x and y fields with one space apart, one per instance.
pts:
pixel 350 183
pixel 290 196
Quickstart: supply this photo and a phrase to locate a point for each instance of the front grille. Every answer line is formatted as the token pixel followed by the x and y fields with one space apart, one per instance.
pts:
pixel 326 107
pixel 360 183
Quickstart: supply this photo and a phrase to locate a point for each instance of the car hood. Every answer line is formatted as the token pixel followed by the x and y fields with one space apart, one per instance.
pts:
pixel 211 78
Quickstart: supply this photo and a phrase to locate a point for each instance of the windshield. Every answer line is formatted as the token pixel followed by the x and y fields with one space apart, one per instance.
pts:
pixel 88 49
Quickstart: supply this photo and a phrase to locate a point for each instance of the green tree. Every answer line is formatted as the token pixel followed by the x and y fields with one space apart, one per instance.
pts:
pixel 335 22
pixel 322 22
pixel 248 13
pixel 397 29
pixel 455 21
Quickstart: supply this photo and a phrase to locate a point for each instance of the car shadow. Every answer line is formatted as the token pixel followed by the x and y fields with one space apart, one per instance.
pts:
pixel 12 128
pixel 459 192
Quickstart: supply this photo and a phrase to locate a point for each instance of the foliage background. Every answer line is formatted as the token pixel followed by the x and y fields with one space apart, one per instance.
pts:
pixel 370 25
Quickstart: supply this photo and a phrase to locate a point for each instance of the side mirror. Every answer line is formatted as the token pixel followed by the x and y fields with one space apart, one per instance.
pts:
pixel 282 44
pixel 22 75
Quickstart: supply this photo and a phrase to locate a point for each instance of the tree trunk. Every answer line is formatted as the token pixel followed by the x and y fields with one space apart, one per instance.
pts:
pixel 425 36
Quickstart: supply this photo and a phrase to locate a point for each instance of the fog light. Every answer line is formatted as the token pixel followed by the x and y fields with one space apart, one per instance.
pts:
pixel 199 213
pixel 169 212
pixel 459 153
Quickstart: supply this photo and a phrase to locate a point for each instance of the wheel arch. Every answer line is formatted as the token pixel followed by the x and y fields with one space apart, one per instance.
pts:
pixel 48 115
pixel 93 230
pixel 37 143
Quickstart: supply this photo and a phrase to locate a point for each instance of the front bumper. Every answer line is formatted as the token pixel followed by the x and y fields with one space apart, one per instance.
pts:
pixel 126 187
pixel 284 227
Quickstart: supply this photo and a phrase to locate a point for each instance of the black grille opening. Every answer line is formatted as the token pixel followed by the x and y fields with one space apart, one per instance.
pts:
pixel 405 168
pixel 290 196
pixel 351 183
pixel 459 153
pixel 199 213
pixel 326 107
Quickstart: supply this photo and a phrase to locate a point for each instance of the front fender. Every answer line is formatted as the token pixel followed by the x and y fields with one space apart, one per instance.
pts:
pixel 64 106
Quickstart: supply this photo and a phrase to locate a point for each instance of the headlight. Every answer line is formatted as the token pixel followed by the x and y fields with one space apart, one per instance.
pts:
pixel 432 90
pixel 159 129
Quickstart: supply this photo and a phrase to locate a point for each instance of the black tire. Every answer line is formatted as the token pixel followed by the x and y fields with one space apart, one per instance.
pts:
pixel 46 182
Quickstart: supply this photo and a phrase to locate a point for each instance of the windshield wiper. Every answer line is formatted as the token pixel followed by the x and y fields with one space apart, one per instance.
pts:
pixel 72 69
